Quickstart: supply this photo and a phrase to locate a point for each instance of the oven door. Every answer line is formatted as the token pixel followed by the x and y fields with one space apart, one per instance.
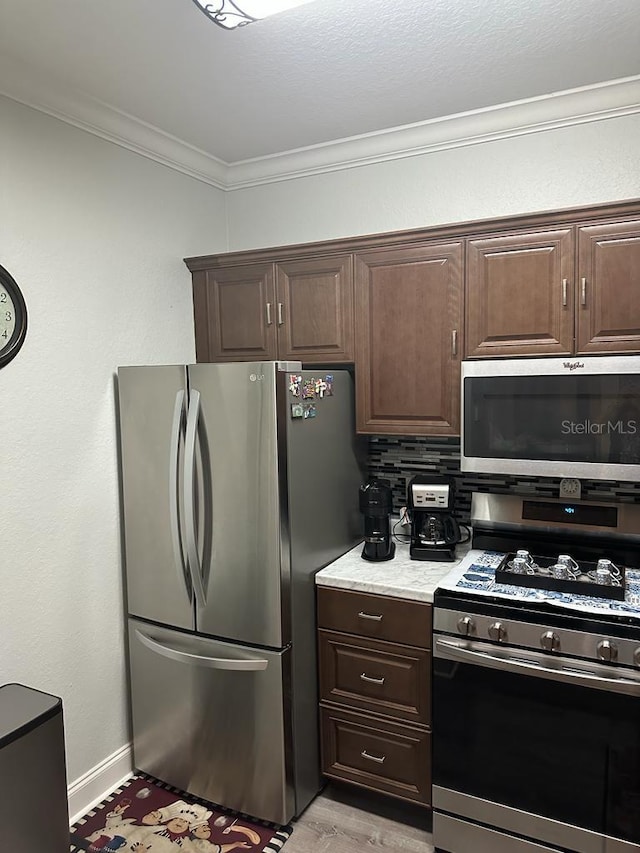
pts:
pixel 545 748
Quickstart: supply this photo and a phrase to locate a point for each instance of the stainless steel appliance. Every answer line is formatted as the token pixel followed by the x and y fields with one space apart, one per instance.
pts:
pixel 536 693
pixel 239 482
pixel 554 417
pixel 375 504
pixel 434 529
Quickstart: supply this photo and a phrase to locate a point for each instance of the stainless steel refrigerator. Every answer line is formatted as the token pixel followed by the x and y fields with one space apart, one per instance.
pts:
pixel 239 481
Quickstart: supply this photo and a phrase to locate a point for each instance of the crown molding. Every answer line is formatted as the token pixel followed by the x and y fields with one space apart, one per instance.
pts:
pixel 598 102
pixel 100 119
pixel 534 115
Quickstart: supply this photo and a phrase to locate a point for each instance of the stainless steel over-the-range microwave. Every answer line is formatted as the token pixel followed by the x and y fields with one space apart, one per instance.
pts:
pixel 553 417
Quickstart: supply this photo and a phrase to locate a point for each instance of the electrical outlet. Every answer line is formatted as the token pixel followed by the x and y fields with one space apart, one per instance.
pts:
pixel 570 488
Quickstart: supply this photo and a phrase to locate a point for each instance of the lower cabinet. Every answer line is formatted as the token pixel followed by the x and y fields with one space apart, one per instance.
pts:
pixel 375 693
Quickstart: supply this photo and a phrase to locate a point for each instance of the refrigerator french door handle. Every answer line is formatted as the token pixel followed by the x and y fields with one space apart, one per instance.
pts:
pixel 176 432
pixel 251 665
pixel 195 569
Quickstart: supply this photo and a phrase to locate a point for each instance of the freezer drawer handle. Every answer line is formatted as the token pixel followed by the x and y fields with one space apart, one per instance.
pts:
pixel 176 541
pixel 375 616
pixel 195 568
pixel 365 754
pixel 201 660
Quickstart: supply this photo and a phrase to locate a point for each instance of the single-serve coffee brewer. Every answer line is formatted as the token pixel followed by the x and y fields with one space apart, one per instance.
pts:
pixel 434 530
pixel 375 505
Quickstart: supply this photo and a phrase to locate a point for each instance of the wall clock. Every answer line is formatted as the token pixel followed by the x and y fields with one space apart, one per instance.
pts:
pixel 13 318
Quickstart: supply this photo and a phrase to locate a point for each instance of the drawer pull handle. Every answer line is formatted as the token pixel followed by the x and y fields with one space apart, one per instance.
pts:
pixel 365 754
pixel 374 616
pixel 371 680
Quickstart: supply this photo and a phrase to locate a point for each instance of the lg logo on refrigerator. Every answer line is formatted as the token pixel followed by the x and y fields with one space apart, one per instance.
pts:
pixel 256 377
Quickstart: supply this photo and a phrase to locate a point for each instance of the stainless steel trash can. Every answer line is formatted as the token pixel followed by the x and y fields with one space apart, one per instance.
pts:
pixel 34 815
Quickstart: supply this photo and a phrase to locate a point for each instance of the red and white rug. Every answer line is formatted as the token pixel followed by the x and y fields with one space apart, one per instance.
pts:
pixel 146 816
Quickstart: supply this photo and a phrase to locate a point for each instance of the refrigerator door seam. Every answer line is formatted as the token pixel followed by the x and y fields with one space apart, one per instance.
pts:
pixel 195 568
pixel 176 431
pixel 250 665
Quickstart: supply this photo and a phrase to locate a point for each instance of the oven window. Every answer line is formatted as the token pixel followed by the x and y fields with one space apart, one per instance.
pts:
pixel 588 418
pixel 536 745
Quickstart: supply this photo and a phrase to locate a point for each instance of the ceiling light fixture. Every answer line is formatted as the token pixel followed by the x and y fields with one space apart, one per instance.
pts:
pixel 239 13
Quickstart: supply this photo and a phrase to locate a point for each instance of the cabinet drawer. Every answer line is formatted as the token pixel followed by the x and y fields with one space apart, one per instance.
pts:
pixel 378 755
pixel 392 619
pixel 371 675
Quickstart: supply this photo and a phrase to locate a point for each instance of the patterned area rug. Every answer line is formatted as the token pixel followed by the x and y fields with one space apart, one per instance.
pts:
pixel 147 816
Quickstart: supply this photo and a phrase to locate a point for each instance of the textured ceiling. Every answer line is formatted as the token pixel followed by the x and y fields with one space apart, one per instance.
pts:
pixel 329 70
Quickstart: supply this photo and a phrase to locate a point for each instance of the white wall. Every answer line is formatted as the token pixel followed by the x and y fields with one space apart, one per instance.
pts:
pixel 581 165
pixel 95 237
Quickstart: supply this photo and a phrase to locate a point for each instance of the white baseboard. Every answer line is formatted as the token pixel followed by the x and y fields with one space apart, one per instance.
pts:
pixel 97 783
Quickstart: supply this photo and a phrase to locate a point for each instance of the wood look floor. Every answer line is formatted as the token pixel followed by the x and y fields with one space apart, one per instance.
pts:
pixel 342 820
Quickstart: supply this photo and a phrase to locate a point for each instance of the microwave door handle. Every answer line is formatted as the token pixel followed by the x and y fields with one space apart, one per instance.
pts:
pixel 468 652
pixel 193 416
pixel 174 513
pixel 179 655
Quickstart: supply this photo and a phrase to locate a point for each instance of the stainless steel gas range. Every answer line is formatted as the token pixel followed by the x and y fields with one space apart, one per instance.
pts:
pixel 536 691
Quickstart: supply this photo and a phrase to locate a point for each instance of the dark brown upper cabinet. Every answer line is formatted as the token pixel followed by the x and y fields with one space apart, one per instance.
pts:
pixel 519 294
pixel 295 310
pixel 409 339
pixel 315 310
pixel 234 313
pixel 608 292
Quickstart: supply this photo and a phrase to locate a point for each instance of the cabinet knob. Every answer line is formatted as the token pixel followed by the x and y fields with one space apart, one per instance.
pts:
pixel 376 617
pixel 378 760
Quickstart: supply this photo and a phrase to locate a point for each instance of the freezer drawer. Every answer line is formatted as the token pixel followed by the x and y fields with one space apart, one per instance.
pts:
pixel 212 718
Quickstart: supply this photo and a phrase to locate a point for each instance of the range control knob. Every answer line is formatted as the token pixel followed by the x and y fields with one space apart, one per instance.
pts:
pixel 607 651
pixel 636 657
pixel 550 641
pixel 466 625
pixel 497 632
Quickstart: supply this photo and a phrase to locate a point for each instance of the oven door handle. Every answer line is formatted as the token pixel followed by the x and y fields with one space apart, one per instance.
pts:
pixel 563 669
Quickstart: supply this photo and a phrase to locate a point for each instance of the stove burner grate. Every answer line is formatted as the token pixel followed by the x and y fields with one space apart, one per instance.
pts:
pixel 582 582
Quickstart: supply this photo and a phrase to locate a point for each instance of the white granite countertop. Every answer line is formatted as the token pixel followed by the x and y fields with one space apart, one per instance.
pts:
pixel 400 577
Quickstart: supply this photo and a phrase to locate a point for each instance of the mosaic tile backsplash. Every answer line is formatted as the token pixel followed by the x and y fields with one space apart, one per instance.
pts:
pixel 397 459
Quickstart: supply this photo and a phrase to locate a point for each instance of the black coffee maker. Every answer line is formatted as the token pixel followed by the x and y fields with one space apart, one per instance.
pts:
pixel 434 530
pixel 375 504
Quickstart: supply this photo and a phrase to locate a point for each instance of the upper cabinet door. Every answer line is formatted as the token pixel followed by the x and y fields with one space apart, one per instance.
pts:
pixel 408 340
pixel 608 293
pixel 519 294
pixel 315 310
pixel 235 313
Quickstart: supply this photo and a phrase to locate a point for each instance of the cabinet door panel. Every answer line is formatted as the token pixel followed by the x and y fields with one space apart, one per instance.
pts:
pixel 375 754
pixel 408 339
pixel 380 617
pixel 519 294
pixel 369 675
pixel 608 298
pixel 235 314
pixel 315 310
